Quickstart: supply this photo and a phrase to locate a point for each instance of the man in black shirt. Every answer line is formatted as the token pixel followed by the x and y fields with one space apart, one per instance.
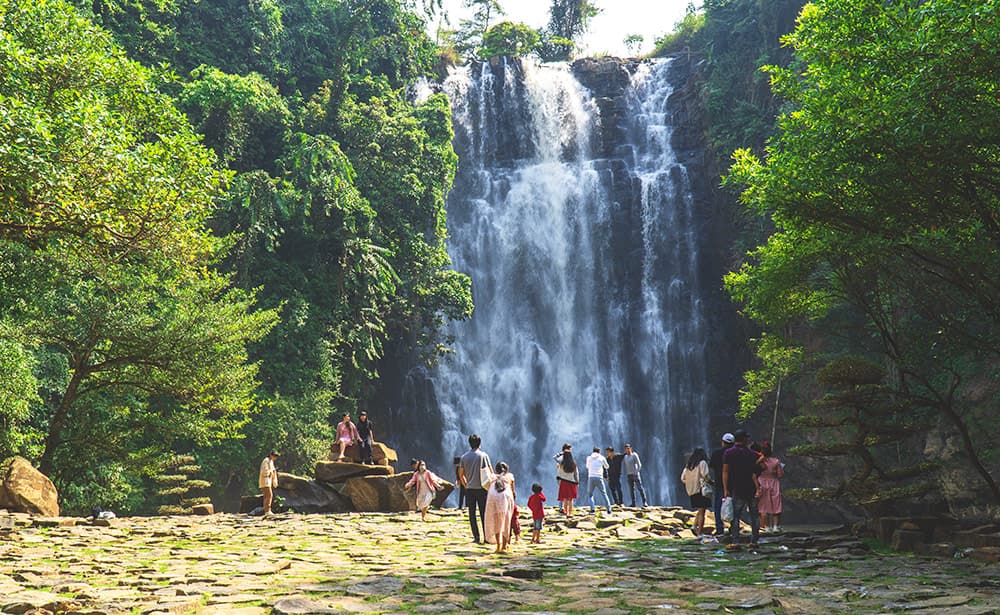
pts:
pixel 615 474
pixel 739 478
pixel 366 431
pixel 715 464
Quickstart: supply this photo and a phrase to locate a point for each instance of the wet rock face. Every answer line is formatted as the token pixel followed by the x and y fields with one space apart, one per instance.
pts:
pixel 25 489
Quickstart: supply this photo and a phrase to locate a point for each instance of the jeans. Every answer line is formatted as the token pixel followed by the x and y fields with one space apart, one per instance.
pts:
pixel 476 497
pixel 717 509
pixel 365 446
pixel 615 485
pixel 634 480
pixel 461 496
pixel 739 505
pixel 595 483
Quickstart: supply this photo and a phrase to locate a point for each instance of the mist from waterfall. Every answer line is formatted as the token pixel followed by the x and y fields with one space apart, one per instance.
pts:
pixel 588 326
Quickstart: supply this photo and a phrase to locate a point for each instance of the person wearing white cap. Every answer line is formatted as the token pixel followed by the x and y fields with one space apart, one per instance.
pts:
pixel 715 464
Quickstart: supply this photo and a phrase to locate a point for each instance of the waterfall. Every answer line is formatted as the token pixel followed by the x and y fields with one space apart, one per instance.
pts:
pixel 589 325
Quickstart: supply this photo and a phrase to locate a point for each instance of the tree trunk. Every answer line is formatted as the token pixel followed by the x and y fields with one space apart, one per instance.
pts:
pixel 58 422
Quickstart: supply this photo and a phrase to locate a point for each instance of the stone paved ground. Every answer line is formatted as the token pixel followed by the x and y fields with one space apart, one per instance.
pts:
pixel 393 563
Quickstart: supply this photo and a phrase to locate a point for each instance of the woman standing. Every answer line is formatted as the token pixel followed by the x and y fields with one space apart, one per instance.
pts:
pixel 499 508
pixel 769 504
pixel 347 434
pixel 695 476
pixel 427 486
pixel 568 475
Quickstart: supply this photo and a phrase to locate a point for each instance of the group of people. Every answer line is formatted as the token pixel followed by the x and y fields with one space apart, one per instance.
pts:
pixel 603 471
pixel 748 474
pixel 490 490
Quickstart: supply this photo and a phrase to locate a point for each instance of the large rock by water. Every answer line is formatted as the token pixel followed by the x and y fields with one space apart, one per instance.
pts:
pixel 381 454
pixel 25 489
pixel 387 493
pixel 308 496
pixel 339 471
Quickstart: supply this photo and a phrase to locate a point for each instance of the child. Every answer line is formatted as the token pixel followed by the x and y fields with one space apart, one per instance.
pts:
pixel 515 525
pixel 537 505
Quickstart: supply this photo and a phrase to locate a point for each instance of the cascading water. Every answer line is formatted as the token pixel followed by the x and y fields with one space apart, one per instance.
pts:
pixel 589 324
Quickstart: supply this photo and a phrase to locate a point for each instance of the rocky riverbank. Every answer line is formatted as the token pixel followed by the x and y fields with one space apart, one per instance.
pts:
pixel 629 562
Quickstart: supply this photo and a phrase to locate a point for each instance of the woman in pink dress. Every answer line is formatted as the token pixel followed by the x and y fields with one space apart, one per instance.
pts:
pixel 769 503
pixel 499 508
pixel 347 434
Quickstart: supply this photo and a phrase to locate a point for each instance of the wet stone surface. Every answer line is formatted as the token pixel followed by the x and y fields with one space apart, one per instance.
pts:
pixel 393 563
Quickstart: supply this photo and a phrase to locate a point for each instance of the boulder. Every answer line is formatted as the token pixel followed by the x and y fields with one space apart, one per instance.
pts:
pixel 308 496
pixel 387 493
pixel 25 489
pixel 340 471
pixel 381 454
pixel 250 502
pixel 379 493
pixel 203 509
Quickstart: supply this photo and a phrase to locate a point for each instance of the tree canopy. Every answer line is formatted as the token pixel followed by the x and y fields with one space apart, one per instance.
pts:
pixel 881 185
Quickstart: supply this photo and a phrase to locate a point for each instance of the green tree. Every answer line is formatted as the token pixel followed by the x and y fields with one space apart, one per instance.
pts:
pixel 881 183
pixel 509 39
pixel 568 21
pixel 468 40
pixel 89 152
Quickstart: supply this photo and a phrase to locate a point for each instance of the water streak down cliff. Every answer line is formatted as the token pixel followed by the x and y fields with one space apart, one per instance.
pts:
pixel 594 296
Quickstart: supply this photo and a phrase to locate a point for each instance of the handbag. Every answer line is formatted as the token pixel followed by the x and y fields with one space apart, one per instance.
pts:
pixel 485 474
pixel 707 489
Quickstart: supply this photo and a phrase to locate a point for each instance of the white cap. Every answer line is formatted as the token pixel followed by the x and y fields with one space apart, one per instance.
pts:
pixel 728 437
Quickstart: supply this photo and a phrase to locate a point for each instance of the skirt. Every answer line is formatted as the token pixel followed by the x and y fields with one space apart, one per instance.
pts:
pixel 567 490
pixel 700 501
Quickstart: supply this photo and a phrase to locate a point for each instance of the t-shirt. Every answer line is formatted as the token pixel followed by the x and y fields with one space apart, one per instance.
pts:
pixel 715 464
pixel 742 464
pixel 536 506
pixel 268 475
pixel 596 464
pixel 632 464
pixel 471 463
pixel 615 466
pixel 365 429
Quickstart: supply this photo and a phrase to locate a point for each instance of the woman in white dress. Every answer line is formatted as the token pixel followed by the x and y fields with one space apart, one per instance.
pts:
pixel 427 486
pixel 499 508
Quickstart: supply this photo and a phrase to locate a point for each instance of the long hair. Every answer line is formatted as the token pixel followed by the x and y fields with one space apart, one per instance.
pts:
pixel 696 457
pixel 568 463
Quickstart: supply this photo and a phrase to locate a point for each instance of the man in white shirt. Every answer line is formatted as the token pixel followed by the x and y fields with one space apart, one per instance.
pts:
pixel 596 465
pixel 268 480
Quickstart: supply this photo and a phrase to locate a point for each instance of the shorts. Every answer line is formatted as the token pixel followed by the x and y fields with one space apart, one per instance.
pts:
pixel 700 501
pixel 536 524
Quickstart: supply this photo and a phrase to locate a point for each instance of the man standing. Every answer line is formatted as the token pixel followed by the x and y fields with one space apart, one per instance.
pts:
pixel 474 466
pixel 268 480
pixel 596 465
pixel 633 465
pixel 739 478
pixel 366 435
pixel 615 474
pixel 715 464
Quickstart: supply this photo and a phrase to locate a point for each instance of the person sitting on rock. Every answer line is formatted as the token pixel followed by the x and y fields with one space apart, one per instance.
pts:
pixel 347 434
pixel 427 485
pixel 366 435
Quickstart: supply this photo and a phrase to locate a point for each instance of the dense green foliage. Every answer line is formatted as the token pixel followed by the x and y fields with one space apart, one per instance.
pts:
pixel 511 39
pixel 134 251
pixel 881 183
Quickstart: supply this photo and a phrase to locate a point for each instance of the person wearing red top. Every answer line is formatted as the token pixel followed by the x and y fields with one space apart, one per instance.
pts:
pixel 537 507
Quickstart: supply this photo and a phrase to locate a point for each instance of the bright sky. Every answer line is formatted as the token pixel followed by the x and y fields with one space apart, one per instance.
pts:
pixel 617 19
